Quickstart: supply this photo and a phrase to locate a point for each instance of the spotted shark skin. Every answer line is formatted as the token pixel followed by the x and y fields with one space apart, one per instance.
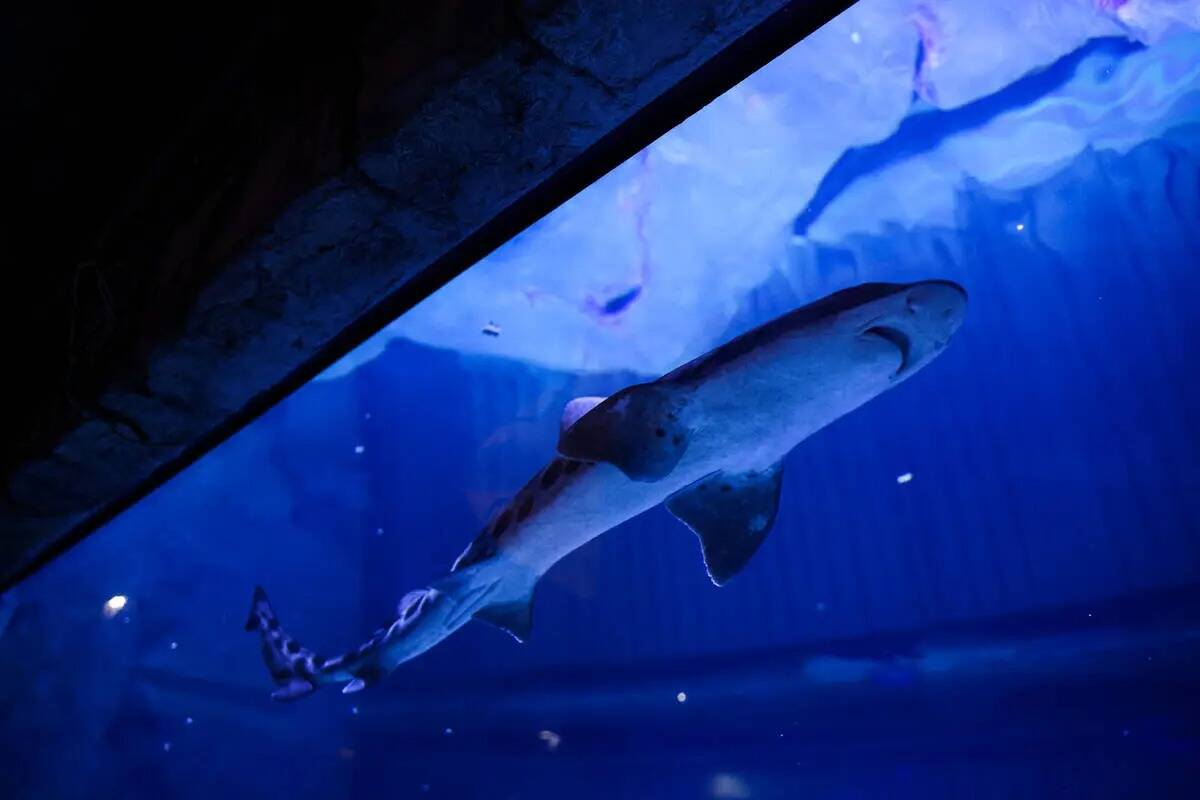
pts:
pixel 707 440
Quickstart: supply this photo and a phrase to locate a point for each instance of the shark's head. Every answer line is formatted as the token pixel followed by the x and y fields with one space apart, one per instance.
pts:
pixel 917 319
pixel 883 331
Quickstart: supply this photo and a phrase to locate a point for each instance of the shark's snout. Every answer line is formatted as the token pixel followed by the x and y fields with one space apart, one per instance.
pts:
pixel 917 320
pixel 937 307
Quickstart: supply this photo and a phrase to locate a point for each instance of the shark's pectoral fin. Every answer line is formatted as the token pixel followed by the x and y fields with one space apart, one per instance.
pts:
pixel 516 617
pixel 732 514
pixel 638 430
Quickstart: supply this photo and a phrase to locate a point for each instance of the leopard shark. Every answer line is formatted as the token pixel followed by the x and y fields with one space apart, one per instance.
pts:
pixel 707 440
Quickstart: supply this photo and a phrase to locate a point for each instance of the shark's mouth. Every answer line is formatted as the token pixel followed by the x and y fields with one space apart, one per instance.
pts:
pixel 897 338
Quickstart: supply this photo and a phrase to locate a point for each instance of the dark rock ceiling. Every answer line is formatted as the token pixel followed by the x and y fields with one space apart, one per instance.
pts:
pixel 211 207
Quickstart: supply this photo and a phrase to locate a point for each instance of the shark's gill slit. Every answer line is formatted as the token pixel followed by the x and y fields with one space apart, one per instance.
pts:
pixel 897 338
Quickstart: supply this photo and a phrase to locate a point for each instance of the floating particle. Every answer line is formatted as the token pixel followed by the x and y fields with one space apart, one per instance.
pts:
pixel 379 531
pixel 491 329
pixel 821 606
pixel 367 415
pixel 905 478
pixel 552 739
pixel 1125 732
pixel 166 747
pixel 359 449
pixel 856 37
pixel 424 787
pixel 1020 227
pixel 681 697
pixel 174 645
pixel 354 710
pixel 188 721
pixel 448 732
pixel 114 605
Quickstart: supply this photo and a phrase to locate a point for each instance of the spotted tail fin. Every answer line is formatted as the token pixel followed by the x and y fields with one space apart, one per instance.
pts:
pixel 295 669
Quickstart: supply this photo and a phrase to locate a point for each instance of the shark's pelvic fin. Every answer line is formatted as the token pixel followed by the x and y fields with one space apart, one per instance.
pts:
pixel 732 514
pixel 576 409
pixel 515 617
pixel 639 430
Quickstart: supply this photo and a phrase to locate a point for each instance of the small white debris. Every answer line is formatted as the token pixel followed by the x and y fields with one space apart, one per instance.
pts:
pixel 166 747
pixel 491 329
pixel 114 605
pixel 359 449
pixel 188 721
pixel 681 697
pixel 448 732
pixel 174 645
pixel 905 478
pixel 551 739
pixel 856 37
pixel 367 415
pixel 354 710
pixel 1020 227
pixel 379 531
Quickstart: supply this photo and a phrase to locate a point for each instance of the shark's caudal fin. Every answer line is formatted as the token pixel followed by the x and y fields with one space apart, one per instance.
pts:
pixel 638 430
pixel 293 668
pixel 732 514
pixel 298 671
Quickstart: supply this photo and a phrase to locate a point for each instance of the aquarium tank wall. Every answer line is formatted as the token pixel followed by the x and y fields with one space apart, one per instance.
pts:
pixel 983 582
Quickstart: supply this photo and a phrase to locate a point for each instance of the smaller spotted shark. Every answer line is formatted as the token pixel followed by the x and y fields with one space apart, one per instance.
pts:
pixel 707 439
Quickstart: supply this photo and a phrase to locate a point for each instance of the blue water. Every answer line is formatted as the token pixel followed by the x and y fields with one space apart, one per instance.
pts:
pixel 984 583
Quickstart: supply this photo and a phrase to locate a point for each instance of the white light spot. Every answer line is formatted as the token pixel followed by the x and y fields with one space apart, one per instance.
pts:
pixel 354 710
pixel 905 478
pixel 114 605
pixel 174 645
pixel 367 415
pixel 188 721
pixel 856 37
pixel 1020 227
pixel 359 449
pixel 166 747
pixel 379 531
pixel 551 739
pixel 681 697
pixel 448 732
pixel 1089 615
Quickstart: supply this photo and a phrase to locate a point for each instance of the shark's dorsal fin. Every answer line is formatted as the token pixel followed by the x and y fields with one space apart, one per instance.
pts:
pixel 639 430
pixel 732 514
pixel 515 617
pixel 576 409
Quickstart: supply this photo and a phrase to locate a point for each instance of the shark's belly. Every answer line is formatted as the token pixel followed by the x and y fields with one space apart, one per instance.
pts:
pixel 751 414
pixel 590 503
